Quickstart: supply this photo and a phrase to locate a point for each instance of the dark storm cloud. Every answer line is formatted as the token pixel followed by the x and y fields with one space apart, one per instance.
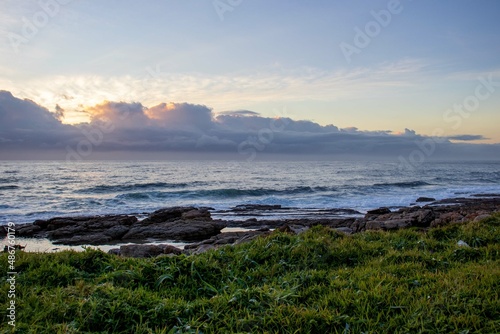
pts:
pixel 24 114
pixel 182 127
pixel 25 124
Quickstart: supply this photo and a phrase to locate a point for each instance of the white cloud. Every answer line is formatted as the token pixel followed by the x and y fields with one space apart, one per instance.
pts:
pixel 222 92
pixel 184 127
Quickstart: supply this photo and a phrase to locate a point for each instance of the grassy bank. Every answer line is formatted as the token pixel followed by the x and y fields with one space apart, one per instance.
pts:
pixel 406 281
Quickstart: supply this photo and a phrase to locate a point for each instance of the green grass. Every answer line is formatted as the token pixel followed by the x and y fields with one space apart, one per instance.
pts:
pixel 406 281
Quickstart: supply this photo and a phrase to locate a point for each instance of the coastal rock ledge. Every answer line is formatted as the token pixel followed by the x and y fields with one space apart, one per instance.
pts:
pixel 176 223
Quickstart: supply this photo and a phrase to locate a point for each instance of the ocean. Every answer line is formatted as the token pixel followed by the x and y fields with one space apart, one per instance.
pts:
pixel 31 190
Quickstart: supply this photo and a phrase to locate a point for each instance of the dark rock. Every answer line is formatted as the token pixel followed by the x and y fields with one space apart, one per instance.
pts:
pixel 222 239
pixel 27 230
pixel 285 229
pixel 87 222
pixel 79 230
pixel 486 195
pixel 178 223
pixel 197 214
pixel 446 218
pixel 339 222
pixel 425 199
pixel 142 251
pixel 422 218
pixel 41 223
pixel 190 223
pixel 201 249
pixel 379 211
pixel 340 211
pixel 177 213
pixel 114 251
pixel 256 207
pixel 358 225
pixel 374 225
pixel 176 230
pixel 396 224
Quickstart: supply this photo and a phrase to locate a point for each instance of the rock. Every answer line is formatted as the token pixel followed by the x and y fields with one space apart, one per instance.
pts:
pixel 374 225
pixel 177 223
pixel 293 229
pixel 421 218
pixel 396 224
pixel 345 230
pixel 197 214
pixel 285 229
pixel 175 230
pixel 176 213
pixel 482 217
pixel 379 211
pixel 143 251
pixel 425 199
pixel 358 225
pixel 339 211
pixel 114 251
pixel 27 230
pixel 222 239
pixel 87 222
pixel 486 195
pixel 191 223
pixel 256 207
pixel 446 218
pixel 462 243
pixel 79 230
pixel 392 224
pixel 201 249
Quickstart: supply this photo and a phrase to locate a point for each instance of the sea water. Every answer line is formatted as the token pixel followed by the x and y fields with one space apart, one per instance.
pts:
pixel 31 190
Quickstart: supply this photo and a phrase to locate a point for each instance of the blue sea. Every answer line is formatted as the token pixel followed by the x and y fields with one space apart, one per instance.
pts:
pixel 31 190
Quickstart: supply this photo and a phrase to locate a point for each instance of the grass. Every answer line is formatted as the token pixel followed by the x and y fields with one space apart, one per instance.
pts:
pixel 407 281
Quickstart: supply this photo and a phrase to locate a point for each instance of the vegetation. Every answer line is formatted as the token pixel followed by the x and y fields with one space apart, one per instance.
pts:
pixel 407 281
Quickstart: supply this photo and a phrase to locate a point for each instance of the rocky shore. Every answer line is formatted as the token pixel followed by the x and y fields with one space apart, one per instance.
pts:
pixel 195 224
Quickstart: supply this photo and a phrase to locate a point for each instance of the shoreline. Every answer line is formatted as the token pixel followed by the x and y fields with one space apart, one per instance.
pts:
pixel 196 228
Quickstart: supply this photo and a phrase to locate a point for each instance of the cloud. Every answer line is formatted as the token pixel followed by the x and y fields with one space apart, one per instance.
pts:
pixel 59 113
pixel 24 114
pixel 183 127
pixel 224 91
pixel 120 114
pixel 410 133
pixel 467 137
pixel 27 125
pixel 239 113
pixel 181 115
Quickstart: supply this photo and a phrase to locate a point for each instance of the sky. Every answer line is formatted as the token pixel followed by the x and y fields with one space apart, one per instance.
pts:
pixel 416 79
